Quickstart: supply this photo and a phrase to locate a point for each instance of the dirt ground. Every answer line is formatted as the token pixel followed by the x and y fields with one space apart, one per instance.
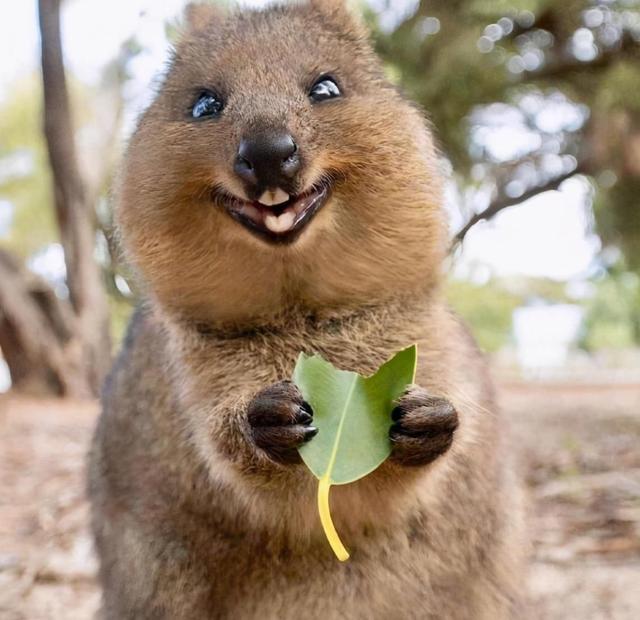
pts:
pixel 580 455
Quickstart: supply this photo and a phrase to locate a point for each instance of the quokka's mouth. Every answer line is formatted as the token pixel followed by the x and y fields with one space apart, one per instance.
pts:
pixel 278 223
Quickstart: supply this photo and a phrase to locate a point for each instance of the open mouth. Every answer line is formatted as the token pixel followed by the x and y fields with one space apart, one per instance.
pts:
pixel 277 223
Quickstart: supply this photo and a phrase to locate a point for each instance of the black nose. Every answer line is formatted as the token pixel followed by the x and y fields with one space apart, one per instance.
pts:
pixel 267 161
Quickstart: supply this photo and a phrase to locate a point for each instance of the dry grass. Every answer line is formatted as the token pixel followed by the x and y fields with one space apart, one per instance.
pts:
pixel 580 456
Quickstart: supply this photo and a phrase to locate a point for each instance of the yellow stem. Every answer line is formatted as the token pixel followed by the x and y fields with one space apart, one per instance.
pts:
pixel 325 518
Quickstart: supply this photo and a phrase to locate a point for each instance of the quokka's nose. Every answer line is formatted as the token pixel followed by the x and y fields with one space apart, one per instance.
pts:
pixel 267 161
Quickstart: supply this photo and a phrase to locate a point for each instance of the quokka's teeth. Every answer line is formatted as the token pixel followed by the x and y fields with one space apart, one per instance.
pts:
pixel 280 223
pixel 272 197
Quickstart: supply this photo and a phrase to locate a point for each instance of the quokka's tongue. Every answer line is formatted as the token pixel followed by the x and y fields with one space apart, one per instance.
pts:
pixel 280 223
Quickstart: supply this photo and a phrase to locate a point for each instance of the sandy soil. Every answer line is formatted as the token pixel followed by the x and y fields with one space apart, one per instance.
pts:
pixel 580 457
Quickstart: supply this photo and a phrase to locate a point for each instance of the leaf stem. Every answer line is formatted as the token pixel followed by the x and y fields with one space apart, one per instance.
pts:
pixel 327 523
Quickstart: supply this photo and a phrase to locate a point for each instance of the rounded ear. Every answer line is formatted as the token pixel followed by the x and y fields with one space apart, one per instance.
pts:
pixel 329 4
pixel 340 13
pixel 198 16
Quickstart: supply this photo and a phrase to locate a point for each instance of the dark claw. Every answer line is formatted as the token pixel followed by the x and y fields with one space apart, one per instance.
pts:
pixel 423 427
pixel 310 433
pixel 304 417
pixel 397 413
pixel 279 421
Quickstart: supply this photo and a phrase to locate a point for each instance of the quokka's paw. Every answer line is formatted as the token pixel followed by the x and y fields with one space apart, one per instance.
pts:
pixel 280 421
pixel 423 427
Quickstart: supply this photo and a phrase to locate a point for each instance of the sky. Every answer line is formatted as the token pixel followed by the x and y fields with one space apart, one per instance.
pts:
pixel 549 236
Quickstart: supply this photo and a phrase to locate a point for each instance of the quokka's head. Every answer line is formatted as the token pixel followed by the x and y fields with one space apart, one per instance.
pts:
pixel 277 165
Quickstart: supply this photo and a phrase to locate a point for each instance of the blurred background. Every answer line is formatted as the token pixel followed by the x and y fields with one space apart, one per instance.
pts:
pixel 536 106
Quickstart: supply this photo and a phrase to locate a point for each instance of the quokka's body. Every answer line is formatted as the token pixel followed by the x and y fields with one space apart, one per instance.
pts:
pixel 201 507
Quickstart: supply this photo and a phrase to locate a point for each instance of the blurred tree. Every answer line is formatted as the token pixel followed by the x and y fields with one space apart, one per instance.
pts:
pixel 51 343
pixel 558 82
pixel 553 85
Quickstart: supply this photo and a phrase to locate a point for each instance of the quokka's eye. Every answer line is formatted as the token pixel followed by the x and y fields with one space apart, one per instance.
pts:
pixel 325 88
pixel 207 105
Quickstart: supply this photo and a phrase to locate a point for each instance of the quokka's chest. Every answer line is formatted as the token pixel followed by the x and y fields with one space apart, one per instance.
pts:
pixel 361 344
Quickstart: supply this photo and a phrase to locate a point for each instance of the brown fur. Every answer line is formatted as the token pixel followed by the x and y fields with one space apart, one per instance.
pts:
pixel 195 515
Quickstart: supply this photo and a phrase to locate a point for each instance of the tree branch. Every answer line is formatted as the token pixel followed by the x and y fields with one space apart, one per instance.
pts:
pixel 569 65
pixel 504 202
pixel 36 333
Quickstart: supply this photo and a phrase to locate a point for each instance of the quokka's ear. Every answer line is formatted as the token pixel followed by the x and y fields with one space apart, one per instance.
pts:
pixel 199 16
pixel 341 14
pixel 339 5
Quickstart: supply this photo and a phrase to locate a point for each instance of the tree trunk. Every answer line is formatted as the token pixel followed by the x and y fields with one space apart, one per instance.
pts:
pixel 75 214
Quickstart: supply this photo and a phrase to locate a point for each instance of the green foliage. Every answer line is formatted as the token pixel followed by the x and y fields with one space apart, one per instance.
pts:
pixel 444 73
pixel 30 193
pixel 29 190
pixel 613 314
pixel 617 212
pixel 453 57
pixel 620 88
pixel 487 308
pixel 494 9
pixel 612 317
pixel 436 56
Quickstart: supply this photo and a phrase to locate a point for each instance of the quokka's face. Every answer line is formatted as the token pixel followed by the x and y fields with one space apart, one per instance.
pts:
pixel 277 157
pixel 267 116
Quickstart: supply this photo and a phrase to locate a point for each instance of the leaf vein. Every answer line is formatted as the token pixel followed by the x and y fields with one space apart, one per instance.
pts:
pixel 343 416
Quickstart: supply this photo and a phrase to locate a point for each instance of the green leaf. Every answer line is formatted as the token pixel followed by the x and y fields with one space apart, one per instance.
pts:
pixel 352 414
